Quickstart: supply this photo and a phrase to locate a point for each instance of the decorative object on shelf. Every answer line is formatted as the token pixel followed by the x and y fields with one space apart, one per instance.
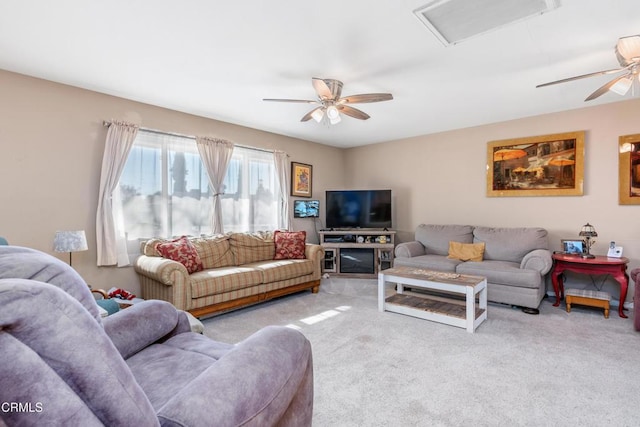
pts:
pixel 70 241
pixel 588 232
pixel 301 179
pixel 629 170
pixel 547 165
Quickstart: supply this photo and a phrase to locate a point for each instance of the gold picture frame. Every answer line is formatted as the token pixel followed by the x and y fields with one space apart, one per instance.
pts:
pixel 629 170
pixel 301 179
pixel 545 165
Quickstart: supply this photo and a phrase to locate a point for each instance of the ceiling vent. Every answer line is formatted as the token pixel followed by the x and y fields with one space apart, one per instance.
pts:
pixel 453 21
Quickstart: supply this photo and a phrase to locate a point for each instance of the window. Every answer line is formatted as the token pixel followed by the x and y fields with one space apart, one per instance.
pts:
pixel 165 191
pixel 251 192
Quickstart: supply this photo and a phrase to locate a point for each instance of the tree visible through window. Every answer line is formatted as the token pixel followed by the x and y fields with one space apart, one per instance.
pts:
pixel 165 192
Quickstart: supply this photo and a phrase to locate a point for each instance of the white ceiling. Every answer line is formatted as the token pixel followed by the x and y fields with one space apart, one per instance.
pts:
pixel 218 59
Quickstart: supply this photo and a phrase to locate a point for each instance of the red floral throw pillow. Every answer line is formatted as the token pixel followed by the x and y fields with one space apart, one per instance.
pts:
pixel 182 251
pixel 289 244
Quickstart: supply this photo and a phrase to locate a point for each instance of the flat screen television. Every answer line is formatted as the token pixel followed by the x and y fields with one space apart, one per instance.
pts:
pixel 306 208
pixel 358 209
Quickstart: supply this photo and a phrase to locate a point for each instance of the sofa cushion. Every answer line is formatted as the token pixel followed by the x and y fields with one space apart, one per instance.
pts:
pixel 436 238
pixel 510 244
pixel 466 251
pixel 214 251
pixel 277 270
pixel 429 262
pixel 182 251
pixel 223 279
pixel 252 247
pixel 289 244
pixel 502 273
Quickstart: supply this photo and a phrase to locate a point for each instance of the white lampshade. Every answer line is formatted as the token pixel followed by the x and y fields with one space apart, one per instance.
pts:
pixel 317 115
pixel 333 114
pixel 70 241
pixel 622 86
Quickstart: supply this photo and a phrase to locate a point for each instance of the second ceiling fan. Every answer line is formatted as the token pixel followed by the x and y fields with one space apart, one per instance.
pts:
pixel 331 103
pixel 628 53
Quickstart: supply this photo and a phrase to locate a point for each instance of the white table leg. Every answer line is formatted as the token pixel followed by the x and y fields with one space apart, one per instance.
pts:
pixel 482 298
pixel 381 292
pixel 471 308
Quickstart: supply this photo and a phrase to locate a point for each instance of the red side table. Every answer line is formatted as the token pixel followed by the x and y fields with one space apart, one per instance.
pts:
pixel 616 267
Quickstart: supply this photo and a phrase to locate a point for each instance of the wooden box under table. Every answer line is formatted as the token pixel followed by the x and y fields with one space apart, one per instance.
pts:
pixel 589 298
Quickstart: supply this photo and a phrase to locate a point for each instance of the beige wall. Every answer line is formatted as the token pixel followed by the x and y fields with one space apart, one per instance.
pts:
pixel 52 140
pixel 51 146
pixel 441 178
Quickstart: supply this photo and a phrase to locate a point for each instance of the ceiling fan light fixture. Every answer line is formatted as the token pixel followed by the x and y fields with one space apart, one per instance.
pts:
pixel 622 86
pixel 318 114
pixel 628 49
pixel 333 114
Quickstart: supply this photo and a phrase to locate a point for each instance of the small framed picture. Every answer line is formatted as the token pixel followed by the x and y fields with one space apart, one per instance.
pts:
pixel 573 246
pixel 301 179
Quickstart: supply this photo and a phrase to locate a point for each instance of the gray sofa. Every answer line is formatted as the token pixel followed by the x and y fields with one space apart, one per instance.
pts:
pixel 515 260
pixel 65 366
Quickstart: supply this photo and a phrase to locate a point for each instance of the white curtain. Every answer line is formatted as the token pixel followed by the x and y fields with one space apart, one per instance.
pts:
pixel 215 154
pixel 110 236
pixel 282 172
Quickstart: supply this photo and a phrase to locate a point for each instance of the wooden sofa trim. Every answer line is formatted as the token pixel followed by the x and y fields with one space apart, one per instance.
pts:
pixel 314 285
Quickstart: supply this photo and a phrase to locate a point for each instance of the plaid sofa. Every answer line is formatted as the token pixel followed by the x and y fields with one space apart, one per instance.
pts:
pixel 239 269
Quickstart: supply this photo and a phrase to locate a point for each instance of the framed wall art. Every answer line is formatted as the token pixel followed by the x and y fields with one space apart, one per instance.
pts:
pixel 546 165
pixel 629 170
pixel 301 179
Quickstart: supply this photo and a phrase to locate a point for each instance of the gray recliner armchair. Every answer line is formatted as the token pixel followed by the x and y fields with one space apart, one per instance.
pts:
pixel 62 364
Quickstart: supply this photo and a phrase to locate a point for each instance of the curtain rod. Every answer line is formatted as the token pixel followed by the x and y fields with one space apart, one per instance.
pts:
pixel 107 123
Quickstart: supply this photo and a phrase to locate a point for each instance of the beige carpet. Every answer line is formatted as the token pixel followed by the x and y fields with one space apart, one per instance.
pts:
pixel 386 369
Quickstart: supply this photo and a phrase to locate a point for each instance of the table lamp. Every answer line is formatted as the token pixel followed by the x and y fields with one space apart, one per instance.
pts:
pixel 588 232
pixel 70 241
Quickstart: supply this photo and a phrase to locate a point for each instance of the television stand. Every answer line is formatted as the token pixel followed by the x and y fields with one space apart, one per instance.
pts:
pixel 360 253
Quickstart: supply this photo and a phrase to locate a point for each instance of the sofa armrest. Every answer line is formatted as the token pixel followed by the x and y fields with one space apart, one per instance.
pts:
pixel 260 381
pixel 160 269
pixel 316 253
pixel 142 324
pixel 410 249
pixel 539 260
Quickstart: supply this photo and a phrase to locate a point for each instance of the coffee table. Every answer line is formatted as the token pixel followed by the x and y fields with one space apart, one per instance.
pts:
pixel 450 311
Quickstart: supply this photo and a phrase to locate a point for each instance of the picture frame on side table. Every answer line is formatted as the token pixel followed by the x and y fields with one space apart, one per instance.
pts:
pixel 573 247
pixel 546 165
pixel 629 170
pixel 301 179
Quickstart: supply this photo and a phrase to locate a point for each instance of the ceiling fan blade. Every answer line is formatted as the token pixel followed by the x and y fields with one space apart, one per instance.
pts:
pixel 304 101
pixel 309 115
pixel 353 112
pixel 605 88
pixel 321 88
pixel 366 97
pixel 597 73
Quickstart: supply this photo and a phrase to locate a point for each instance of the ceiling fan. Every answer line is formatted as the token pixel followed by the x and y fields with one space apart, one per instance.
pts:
pixel 331 104
pixel 628 53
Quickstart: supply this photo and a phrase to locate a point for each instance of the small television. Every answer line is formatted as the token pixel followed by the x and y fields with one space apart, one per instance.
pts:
pixel 358 209
pixel 306 208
